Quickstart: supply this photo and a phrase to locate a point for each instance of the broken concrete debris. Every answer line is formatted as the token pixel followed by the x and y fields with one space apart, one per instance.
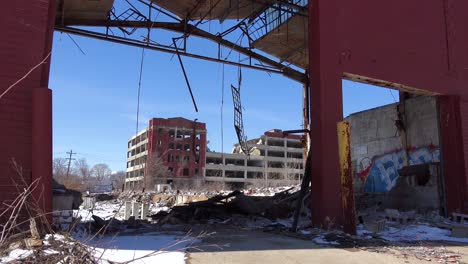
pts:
pixel 459 225
pixel 267 209
pixel 386 231
pixel 223 207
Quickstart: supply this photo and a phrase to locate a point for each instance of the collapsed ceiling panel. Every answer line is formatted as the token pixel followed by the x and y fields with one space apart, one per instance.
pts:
pixel 213 9
pixel 84 9
pixel 288 42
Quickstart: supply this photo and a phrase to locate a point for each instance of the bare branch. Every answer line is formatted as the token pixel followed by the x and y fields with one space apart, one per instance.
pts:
pixel 25 76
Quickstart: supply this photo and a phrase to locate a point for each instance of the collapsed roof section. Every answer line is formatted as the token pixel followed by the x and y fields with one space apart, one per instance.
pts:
pixel 213 9
pixel 270 34
pixel 84 9
pixel 288 42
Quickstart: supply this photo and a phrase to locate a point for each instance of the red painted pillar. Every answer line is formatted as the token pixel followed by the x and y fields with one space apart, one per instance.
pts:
pixel 464 127
pixel 452 151
pixel 25 111
pixel 326 106
pixel 41 149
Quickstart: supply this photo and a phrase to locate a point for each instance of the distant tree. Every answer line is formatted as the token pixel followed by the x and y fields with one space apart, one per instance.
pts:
pixel 82 169
pixel 155 169
pixel 72 180
pixel 59 168
pixel 118 179
pixel 101 171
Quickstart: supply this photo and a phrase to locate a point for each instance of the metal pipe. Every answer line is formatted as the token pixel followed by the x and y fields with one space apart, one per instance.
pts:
pixel 185 75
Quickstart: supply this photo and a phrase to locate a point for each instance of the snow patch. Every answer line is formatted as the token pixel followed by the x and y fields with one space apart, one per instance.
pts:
pixel 320 240
pixel 416 232
pixel 143 248
pixel 104 210
pixel 16 254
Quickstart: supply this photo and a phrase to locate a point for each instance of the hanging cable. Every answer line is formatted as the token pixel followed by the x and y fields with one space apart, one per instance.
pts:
pixel 141 70
pixel 76 43
pixel 139 88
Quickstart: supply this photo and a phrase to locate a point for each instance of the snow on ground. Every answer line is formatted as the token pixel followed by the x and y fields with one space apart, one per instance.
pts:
pixel 320 240
pixel 154 209
pixel 104 209
pixel 142 247
pixel 16 254
pixel 270 191
pixel 109 209
pixel 416 232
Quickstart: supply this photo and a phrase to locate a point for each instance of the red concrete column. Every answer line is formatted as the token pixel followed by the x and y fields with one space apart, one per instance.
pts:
pixel 464 136
pixel 453 159
pixel 41 144
pixel 41 149
pixel 25 111
pixel 326 105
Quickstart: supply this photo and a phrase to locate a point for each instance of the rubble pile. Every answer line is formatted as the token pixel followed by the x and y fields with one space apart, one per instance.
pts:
pixel 50 249
pixel 221 208
pixel 34 246
pixel 113 225
pixel 438 254
pixel 427 253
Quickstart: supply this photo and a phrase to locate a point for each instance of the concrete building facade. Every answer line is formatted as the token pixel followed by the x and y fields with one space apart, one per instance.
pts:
pixel 177 144
pixel 274 159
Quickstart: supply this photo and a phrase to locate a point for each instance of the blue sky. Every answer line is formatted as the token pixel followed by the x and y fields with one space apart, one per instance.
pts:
pixel 95 97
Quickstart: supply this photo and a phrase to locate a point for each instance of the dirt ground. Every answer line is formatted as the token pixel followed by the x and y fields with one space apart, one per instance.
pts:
pixel 230 245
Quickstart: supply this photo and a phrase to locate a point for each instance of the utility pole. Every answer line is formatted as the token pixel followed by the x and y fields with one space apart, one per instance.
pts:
pixel 69 161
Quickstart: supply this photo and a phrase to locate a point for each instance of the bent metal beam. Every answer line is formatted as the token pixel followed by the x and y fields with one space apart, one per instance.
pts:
pixel 180 28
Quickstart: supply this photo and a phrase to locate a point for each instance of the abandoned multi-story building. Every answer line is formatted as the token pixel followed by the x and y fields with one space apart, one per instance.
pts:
pixel 175 148
pixel 275 159
pixel 176 144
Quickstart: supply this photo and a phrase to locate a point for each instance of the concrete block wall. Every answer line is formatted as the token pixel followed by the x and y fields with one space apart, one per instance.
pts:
pixel 373 133
pixel 377 147
pixel 422 121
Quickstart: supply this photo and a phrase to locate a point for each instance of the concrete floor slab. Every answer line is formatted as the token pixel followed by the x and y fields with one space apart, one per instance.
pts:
pixel 246 246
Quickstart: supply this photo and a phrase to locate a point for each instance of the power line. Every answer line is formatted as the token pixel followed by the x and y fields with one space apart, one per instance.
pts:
pixel 69 160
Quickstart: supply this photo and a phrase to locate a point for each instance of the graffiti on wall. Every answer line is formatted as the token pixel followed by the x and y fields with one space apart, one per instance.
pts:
pixel 382 173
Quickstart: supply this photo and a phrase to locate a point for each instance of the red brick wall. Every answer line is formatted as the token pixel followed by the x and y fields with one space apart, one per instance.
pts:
pixel 25 41
pixel 281 135
pixel 196 158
